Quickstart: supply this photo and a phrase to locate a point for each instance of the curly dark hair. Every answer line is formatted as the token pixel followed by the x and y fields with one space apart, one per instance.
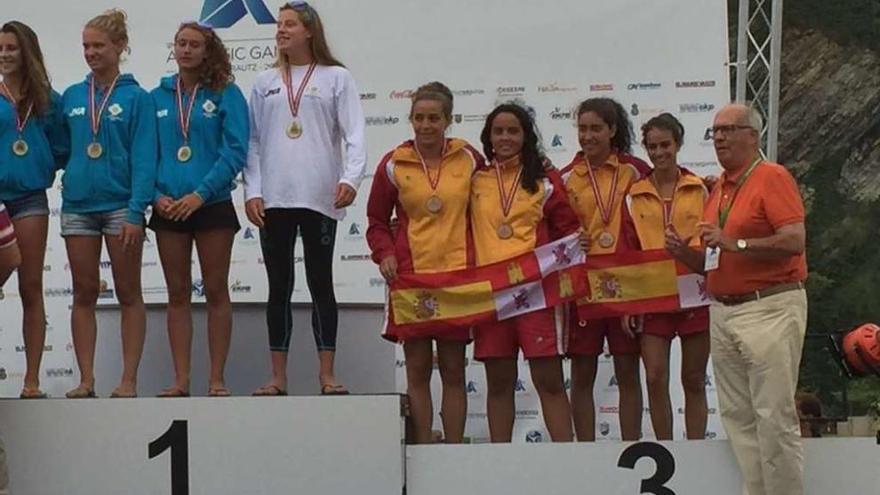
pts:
pixel 35 88
pixel 532 160
pixel 216 70
pixel 666 122
pixel 614 115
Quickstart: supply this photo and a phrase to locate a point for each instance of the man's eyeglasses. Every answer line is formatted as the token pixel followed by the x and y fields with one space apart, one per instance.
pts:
pixel 723 130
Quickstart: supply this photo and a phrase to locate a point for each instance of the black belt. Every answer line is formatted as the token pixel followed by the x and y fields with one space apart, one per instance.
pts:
pixel 758 294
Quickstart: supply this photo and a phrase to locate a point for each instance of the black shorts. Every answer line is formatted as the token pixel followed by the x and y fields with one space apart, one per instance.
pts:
pixel 210 217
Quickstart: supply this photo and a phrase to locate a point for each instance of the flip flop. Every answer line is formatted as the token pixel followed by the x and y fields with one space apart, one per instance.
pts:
pixel 81 393
pixel 32 394
pixel 269 391
pixel 172 392
pixel 218 392
pixel 334 389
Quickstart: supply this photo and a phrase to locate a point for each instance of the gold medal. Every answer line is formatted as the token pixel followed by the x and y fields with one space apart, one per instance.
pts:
pixel 20 147
pixel 184 153
pixel 94 150
pixel 434 204
pixel 295 130
pixel 504 231
pixel 606 239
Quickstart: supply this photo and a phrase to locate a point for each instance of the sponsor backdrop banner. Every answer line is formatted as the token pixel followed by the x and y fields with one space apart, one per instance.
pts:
pixel 548 58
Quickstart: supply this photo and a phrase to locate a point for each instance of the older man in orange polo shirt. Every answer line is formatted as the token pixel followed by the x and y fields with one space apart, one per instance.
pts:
pixel 753 231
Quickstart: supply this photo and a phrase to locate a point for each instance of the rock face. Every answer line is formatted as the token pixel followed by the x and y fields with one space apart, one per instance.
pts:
pixel 830 113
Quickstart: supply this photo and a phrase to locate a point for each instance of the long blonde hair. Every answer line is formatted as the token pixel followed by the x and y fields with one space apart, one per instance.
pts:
pixel 318 42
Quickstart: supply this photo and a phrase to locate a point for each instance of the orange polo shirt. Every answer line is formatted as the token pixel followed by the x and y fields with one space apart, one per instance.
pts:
pixel 583 200
pixel 424 242
pixel 536 218
pixel 769 199
pixel 646 210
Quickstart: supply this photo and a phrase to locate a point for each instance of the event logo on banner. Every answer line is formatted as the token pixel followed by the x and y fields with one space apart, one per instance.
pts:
pixel 225 13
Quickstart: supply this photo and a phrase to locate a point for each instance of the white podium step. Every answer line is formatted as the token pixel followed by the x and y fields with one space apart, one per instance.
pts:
pixel 204 446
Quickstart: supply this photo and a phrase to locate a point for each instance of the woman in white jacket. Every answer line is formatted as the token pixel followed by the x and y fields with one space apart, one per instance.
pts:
pixel 303 112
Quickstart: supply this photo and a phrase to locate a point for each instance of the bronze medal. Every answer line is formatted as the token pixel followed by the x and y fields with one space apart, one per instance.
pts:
pixel 434 204
pixel 504 231
pixel 606 239
pixel 184 153
pixel 94 150
pixel 20 147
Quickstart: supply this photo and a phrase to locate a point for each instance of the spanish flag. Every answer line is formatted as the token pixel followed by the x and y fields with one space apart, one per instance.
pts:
pixel 553 274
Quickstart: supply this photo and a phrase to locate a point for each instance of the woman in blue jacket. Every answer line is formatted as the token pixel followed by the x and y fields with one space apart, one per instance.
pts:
pixel 203 135
pixel 109 182
pixel 32 141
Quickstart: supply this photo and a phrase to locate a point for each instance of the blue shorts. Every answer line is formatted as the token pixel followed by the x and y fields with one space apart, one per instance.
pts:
pixel 32 205
pixel 93 224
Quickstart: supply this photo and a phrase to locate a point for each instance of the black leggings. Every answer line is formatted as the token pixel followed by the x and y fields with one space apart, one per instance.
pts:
pixel 277 240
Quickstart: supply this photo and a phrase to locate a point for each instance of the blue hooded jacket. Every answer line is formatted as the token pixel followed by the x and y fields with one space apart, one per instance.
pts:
pixel 218 136
pixel 48 148
pixel 124 176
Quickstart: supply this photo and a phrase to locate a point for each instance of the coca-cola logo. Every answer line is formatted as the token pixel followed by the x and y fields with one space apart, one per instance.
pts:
pixel 401 94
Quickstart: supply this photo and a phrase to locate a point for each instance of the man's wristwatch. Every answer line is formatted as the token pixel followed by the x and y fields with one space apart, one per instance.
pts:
pixel 741 245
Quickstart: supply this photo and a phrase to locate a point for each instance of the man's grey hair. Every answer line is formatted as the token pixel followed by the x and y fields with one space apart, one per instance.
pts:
pixel 755 119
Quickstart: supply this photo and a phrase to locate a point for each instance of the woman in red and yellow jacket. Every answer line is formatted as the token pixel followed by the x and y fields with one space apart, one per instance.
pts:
pixel 516 206
pixel 426 182
pixel 597 181
pixel 663 209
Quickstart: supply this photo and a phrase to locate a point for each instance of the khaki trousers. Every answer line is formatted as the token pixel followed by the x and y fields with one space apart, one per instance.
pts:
pixel 756 353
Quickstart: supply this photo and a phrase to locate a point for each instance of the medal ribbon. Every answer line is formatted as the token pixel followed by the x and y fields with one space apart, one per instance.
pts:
pixel 19 122
pixel 723 213
pixel 293 101
pixel 96 115
pixel 604 209
pixel 432 181
pixel 668 204
pixel 506 196
pixel 184 114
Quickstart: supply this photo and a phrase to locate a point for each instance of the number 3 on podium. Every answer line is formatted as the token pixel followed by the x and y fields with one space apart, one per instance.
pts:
pixel 663 459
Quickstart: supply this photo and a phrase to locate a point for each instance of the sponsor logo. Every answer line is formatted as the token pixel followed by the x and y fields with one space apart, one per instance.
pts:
pixel 239 288
pixel 77 112
pixel 640 86
pixel 612 382
pixel 556 88
pixel 527 413
pixel 377 282
pixel 354 229
pixel 355 257
pixel 604 428
pixel 273 91
pixel 226 13
pixel 115 111
pixel 382 120
pixel 520 385
pixel 696 107
pixel 162 113
pixel 21 348
pixel 400 363
pixel 368 96
pixel 59 372
pixel 694 84
pixel 55 212
pixel 148 264
pixel 474 117
pixel 608 409
pixel 567 384
pixel 3 375
pixel 510 90
pixel 556 143
pixel 601 87
pixel 198 288
pixel 400 94
pixel 711 435
pixel 154 290
pixel 534 436
pixel 471 388
pixel 634 110
pixel 560 114
pixel 249 233
pixel 468 92
pixel 58 292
